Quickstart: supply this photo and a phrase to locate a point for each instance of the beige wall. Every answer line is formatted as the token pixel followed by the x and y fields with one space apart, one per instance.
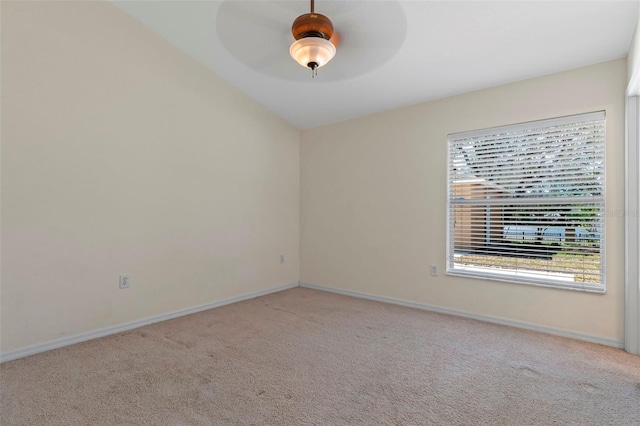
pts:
pixel 120 154
pixel 633 71
pixel 373 210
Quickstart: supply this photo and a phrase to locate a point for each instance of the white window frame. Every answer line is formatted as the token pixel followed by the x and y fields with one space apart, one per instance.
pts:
pixel 520 276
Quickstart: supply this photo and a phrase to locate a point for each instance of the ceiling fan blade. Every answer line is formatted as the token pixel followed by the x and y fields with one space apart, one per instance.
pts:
pixel 252 17
pixel 255 32
pixel 336 39
pixel 271 63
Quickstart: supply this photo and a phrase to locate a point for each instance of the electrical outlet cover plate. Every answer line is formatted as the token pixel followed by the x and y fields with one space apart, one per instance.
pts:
pixel 124 281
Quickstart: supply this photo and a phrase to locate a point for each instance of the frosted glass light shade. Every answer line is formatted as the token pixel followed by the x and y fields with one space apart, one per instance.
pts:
pixel 311 50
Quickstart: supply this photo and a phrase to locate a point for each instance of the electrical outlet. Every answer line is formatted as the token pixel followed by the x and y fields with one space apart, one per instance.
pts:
pixel 434 270
pixel 282 258
pixel 125 281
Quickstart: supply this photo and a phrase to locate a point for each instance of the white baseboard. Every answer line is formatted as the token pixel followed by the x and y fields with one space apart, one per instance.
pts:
pixel 487 318
pixel 82 337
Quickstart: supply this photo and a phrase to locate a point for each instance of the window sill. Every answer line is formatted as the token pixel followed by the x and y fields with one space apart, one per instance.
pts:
pixel 555 280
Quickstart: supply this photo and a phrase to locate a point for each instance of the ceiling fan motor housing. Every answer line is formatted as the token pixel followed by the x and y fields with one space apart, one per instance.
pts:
pixel 312 25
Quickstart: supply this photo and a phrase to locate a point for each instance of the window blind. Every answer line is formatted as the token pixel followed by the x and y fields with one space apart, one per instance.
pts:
pixel 526 202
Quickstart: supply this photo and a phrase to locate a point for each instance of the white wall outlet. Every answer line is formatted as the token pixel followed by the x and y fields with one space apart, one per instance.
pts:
pixel 282 258
pixel 434 270
pixel 125 281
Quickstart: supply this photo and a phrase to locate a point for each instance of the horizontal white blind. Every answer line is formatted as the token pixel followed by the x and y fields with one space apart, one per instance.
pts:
pixel 526 202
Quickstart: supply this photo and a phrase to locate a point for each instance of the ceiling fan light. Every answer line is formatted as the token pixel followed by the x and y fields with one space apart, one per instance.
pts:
pixel 312 50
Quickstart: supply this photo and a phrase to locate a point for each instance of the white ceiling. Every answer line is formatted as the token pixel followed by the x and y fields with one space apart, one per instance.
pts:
pixel 392 53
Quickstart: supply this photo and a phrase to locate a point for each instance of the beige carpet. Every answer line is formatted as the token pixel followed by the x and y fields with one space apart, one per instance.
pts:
pixel 308 357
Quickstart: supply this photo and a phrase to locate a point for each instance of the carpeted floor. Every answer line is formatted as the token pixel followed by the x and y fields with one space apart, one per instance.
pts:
pixel 307 357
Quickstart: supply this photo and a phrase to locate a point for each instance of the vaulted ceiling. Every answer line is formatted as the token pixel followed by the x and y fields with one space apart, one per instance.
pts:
pixel 392 53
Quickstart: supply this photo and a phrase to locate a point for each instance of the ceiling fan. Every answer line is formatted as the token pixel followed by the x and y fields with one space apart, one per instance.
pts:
pixel 265 34
pixel 315 43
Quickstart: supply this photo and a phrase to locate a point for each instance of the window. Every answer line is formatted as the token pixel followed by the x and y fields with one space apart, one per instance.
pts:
pixel 526 203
